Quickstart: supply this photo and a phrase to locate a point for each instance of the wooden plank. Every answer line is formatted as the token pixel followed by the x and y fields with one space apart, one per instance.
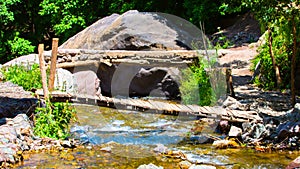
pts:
pixel 183 108
pixel 152 102
pixel 174 107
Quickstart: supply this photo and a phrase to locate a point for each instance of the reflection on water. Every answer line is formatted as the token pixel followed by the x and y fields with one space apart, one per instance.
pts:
pixel 126 139
pixel 103 125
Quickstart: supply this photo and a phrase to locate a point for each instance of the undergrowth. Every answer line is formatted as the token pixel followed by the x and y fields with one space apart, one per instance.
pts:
pixel 28 77
pixel 53 120
pixel 200 84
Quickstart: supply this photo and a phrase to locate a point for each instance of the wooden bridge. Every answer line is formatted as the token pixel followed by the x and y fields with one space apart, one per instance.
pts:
pixel 158 106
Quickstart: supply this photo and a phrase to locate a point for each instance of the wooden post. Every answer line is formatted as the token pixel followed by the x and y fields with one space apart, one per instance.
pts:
pixel 53 63
pixel 43 70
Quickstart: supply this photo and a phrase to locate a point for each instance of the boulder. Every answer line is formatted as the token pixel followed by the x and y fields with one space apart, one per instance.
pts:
pixel 64 80
pixel 138 81
pixel 87 83
pixel 24 60
pixel 135 30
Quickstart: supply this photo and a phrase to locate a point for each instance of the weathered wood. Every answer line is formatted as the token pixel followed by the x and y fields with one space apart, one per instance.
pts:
pixel 43 70
pixel 53 63
pixel 162 106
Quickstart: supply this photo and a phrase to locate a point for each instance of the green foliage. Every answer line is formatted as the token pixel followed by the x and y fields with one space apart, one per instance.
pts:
pixel 281 49
pixel 54 119
pixel 195 87
pixel 222 42
pixel 19 46
pixel 27 77
pixel 278 16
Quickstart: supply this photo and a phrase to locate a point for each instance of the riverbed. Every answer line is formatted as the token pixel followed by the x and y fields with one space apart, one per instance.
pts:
pixel 127 139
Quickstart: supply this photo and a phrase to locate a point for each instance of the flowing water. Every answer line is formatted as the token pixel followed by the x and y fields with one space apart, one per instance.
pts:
pixel 127 139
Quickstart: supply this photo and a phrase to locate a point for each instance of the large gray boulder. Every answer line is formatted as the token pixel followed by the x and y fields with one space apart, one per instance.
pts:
pixel 135 30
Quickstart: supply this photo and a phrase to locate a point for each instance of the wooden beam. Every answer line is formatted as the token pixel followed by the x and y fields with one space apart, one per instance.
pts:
pixel 53 63
pixel 43 70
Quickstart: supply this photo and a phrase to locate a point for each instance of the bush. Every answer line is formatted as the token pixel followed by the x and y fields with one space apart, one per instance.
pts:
pixel 267 78
pixel 196 85
pixel 54 119
pixel 27 77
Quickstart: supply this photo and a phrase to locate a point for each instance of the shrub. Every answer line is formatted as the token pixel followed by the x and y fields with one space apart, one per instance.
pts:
pixel 54 119
pixel 196 86
pixel 27 77
pixel 281 49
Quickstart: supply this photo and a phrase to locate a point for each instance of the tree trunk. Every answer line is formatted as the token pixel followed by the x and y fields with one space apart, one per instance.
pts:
pixel 293 66
pixel 275 66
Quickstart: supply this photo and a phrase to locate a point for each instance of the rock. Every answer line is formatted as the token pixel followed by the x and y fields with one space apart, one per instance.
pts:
pixel 64 80
pixel 137 81
pixel 235 131
pixel 294 164
pixel 225 144
pixel 135 30
pixel 15 136
pixel 87 83
pixel 223 127
pixel 184 165
pixel 202 166
pixel 149 166
pixel 160 148
pixel 24 60
pixel 288 129
pixel 233 104
pixel 106 149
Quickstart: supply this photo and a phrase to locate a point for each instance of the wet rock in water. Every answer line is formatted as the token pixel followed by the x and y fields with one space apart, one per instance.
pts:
pixel 185 165
pixel 106 149
pixel 294 164
pixel 202 166
pixel 235 131
pixel 160 148
pixel 221 144
pixel 149 166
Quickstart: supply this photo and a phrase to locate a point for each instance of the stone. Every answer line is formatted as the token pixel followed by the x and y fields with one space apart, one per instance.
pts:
pixel 235 131
pixel 23 60
pixel 160 148
pixel 138 81
pixel 294 164
pixel 202 166
pixel 184 165
pixel 288 129
pixel 149 166
pixel 106 149
pixel 233 104
pixel 135 30
pixel 87 83
pixel 64 80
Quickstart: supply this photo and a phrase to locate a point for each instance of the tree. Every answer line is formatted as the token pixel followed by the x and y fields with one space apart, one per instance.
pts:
pixel 286 16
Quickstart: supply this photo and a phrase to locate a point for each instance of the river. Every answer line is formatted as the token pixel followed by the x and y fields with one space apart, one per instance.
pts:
pixel 127 139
